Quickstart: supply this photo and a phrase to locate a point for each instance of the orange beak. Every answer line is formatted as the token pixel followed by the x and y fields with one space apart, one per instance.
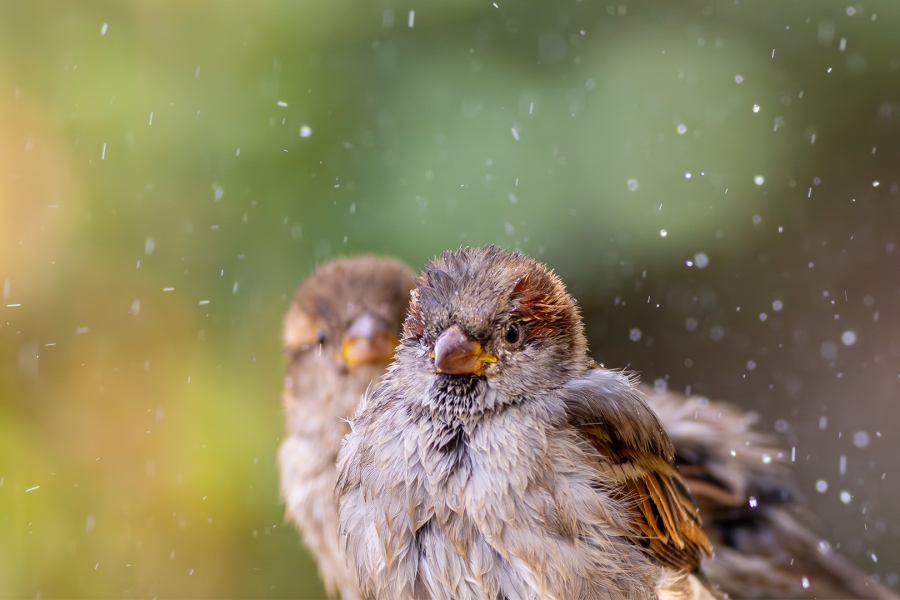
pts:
pixel 367 341
pixel 456 354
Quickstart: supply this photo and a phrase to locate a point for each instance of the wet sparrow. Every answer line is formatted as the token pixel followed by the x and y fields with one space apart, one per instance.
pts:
pixel 496 460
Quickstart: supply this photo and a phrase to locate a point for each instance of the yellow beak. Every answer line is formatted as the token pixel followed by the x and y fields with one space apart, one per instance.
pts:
pixel 367 341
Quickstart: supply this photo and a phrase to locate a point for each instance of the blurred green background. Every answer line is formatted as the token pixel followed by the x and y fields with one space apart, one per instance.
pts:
pixel 717 182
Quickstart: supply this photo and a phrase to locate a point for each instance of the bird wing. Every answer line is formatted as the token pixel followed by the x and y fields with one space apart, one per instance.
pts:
pixel 636 457
pixel 766 545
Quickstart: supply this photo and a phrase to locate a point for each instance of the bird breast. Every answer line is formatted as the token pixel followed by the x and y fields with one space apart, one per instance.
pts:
pixel 503 507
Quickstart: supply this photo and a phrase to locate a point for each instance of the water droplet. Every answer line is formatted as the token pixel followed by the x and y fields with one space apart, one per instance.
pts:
pixel 663 233
pixel 149 246
pixel 777 305
pixel 763 316
pixel 659 385
pixel 103 28
pixel 751 365
pixel 828 350
pixel 781 426
pixel 851 11
pixel 766 459
pixel 849 338
pixel 804 582
pixel 756 108
pixel 860 439
pixel 716 333
pixel 751 502
pixel 759 180
pixel 846 497
pixel 305 131
pixel 632 185
pixel 687 175
pixel 635 334
pixel 690 324
pixel 738 79
pixel 701 260
pixel 821 486
pixel 681 129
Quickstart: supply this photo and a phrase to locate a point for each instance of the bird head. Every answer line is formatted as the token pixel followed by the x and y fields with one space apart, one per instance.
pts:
pixel 349 311
pixel 490 314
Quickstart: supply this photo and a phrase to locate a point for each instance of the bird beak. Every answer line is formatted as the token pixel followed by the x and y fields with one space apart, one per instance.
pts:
pixel 456 354
pixel 367 341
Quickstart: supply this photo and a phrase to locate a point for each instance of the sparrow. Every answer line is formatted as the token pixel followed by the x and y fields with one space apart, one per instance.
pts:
pixel 497 460
pixel 339 335
pixel 765 545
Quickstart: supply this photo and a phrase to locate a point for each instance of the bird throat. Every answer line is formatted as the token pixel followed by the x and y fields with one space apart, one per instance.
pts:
pixel 457 397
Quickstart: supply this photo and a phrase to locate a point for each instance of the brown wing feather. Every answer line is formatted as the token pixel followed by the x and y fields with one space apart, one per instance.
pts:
pixel 663 513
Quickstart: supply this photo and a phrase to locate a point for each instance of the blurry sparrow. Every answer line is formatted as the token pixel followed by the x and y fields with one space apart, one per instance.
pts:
pixel 339 335
pixel 496 460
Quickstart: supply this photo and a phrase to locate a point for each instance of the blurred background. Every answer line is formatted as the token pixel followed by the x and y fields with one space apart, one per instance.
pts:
pixel 717 181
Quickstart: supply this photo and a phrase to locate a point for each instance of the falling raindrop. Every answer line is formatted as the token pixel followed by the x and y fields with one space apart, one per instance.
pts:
pixel 821 486
pixel 849 338
pixel 759 180
pixel 635 334
pixel 860 439
pixel 632 185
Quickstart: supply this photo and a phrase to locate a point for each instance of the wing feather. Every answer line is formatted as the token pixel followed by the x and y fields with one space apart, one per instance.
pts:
pixel 635 454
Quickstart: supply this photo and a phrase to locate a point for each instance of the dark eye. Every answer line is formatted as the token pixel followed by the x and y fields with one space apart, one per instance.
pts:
pixel 513 334
pixel 320 338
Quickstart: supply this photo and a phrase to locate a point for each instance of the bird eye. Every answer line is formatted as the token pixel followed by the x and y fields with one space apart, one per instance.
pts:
pixel 513 334
pixel 320 338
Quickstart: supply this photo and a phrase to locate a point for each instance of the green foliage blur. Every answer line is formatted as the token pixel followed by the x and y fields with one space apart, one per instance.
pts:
pixel 170 171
